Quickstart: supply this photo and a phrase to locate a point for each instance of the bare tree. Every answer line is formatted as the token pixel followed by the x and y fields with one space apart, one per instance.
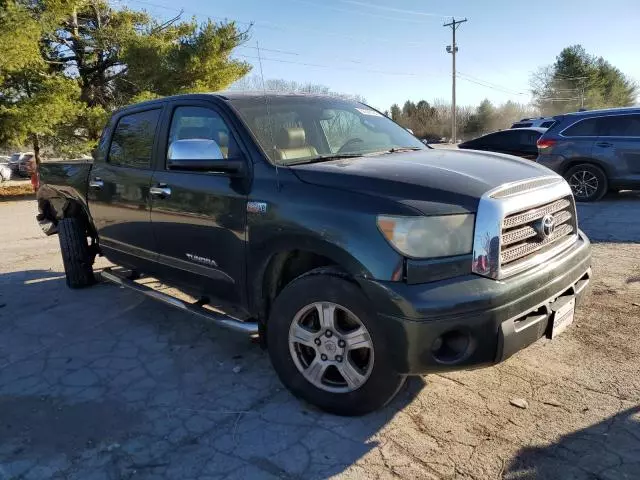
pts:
pixel 279 85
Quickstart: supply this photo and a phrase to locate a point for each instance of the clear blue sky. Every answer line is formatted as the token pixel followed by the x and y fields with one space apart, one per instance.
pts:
pixel 392 51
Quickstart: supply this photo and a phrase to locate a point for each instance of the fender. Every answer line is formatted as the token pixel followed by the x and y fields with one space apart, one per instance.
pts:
pixel 260 258
pixel 62 194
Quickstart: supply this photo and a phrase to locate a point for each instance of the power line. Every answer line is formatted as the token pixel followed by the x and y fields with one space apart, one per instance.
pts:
pixel 357 12
pixel 283 52
pixel 294 53
pixel 565 77
pixel 277 26
pixel 290 52
pixel 279 60
pixel 391 9
pixel 488 84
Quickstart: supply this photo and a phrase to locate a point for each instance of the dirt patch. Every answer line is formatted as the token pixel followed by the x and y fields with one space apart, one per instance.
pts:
pixel 12 192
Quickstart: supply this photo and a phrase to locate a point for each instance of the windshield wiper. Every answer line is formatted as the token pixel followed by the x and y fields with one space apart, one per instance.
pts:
pixel 403 149
pixel 326 158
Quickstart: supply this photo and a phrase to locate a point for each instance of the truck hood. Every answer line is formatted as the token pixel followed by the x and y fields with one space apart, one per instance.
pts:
pixel 434 182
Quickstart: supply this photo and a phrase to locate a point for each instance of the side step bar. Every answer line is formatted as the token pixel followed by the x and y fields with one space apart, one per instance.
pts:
pixel 220 319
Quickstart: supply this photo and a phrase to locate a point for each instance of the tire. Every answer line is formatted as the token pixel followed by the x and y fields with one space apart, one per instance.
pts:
pixel 588 182
pixel 378 382
pixel 76 257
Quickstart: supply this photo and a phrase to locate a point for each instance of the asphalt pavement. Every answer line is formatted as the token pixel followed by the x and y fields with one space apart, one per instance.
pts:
pixel 104 384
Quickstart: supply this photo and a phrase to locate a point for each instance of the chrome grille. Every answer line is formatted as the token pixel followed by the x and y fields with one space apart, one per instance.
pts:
pixel 535 214
pixel 521 238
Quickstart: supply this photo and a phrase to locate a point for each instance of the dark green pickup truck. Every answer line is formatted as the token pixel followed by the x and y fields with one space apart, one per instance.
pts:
pixel 357 254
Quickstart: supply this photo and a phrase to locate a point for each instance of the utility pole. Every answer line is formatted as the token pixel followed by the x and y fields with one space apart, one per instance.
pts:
pixel 452 49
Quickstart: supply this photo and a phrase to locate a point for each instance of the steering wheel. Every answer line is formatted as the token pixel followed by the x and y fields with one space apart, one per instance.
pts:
pixel 349 143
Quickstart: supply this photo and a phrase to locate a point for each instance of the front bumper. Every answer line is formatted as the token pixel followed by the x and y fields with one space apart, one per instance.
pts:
pixel 472 321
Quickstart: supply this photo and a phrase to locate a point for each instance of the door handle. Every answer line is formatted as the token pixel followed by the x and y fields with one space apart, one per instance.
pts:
pixel 161 191
pixel 96 183
pixel 604 144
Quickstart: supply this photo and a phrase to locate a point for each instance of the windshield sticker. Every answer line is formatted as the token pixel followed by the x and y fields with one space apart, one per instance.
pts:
pixel 366 111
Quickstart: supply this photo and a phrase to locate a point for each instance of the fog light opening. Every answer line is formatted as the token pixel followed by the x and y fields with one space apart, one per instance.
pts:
pixel 451 346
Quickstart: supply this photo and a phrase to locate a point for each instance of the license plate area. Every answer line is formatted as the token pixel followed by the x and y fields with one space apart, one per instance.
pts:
pixel 563 316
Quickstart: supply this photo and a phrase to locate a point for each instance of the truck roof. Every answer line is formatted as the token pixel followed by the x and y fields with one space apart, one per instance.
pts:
pixel 230 95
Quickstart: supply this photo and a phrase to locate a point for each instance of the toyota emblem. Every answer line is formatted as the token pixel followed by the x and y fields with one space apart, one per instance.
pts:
pixel 547 226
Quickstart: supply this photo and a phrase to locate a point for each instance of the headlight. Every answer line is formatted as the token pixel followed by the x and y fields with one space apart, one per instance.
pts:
pixel 429 237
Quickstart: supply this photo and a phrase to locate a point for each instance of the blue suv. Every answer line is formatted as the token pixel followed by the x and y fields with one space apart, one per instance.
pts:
pixel 596 151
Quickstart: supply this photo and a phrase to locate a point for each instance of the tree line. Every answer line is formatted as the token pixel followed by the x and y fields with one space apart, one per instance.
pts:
pixel 67 64
pixel 432 121
pixel 575 80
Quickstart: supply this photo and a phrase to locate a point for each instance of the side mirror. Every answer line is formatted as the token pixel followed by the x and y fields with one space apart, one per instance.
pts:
pixel 203 155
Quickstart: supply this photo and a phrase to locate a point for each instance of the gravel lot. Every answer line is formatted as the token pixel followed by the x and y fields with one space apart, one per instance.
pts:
pixel 103 384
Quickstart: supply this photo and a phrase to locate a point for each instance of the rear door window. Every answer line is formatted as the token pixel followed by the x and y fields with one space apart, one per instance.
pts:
pixel 583 128
pixel 620 126
pixel 506 140
pixel 133 138
pixel 528 138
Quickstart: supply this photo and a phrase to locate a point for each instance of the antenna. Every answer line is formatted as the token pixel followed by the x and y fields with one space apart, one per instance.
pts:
pixel 266 104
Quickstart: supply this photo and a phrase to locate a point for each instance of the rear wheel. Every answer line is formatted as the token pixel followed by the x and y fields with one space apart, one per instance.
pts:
pixel 326 346
pixel 588 182
pixel 76 256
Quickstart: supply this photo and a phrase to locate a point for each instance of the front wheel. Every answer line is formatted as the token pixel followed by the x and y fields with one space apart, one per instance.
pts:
pixel 327 348
pixel 588 182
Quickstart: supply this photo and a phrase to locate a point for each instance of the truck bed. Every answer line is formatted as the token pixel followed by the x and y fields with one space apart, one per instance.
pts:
pixel 73 174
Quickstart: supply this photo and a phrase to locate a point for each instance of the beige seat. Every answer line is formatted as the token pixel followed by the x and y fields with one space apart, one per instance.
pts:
pixel 292 143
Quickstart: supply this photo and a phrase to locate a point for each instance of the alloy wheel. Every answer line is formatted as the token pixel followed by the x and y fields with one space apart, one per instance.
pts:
pixel 584 184
pixel 331 347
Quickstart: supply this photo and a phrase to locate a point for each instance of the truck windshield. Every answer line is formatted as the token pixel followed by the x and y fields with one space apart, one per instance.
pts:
pixel 299 129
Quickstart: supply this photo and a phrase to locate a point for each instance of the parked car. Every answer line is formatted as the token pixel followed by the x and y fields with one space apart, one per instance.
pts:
pixel 5 172
pixel 596 151
pixel 357 254
pixel 25 165
pixel 541 122
pixel 14 161
pixel 19 162
pixel 516 141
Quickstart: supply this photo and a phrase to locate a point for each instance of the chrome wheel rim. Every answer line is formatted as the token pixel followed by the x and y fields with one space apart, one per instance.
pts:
pixel 331 347
pixel 584 184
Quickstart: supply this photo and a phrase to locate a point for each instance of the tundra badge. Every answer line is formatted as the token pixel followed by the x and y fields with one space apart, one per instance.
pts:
pixel 199 259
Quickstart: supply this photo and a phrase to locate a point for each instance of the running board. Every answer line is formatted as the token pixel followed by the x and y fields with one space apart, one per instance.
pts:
pixel 220 319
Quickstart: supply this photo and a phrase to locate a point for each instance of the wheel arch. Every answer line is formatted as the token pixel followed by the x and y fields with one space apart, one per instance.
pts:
pixel 288 260
pixel 53 206
pixel 589 161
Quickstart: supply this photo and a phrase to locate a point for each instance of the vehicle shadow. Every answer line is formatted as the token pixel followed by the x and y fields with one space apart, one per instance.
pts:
pixel 104 378
pixel 614 219
pixel 607 450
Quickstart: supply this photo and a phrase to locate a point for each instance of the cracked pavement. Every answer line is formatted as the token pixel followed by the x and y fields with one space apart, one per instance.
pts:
pixel 105 384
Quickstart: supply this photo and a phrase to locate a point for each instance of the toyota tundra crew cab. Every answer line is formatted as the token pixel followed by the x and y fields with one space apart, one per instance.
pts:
pixel 354 252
